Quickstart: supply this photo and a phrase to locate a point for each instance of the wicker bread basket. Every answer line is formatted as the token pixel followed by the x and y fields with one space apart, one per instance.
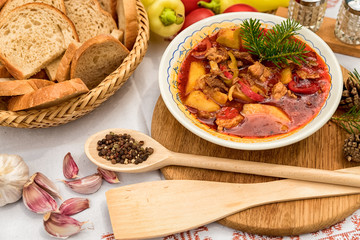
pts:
pixel 79 106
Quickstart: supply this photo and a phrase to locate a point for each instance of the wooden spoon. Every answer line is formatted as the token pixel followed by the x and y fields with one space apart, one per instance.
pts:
pixel 163 157
pixel 161 208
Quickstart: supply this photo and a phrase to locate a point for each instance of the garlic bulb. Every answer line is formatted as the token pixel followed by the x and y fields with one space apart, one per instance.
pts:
pixel 13 175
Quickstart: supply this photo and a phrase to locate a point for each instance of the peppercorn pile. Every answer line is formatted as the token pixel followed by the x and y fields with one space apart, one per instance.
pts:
pixel 122 148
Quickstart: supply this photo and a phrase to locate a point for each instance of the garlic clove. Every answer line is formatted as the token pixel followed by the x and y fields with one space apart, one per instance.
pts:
pixel 70 169
pixel 74 205
pixel 46 184
pixel 85 185
pixel 61 226
pixel 107 175
pixel 36 199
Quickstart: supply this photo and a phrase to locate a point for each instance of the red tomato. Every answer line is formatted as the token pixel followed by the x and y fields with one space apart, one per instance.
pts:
pixel 196 15
pixel 191 5
pixel 240 8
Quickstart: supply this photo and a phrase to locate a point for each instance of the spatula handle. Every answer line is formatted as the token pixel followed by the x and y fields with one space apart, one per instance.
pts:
pixel 265 169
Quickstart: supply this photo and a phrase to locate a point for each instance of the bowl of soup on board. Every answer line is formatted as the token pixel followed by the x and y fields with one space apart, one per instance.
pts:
pixel 223 80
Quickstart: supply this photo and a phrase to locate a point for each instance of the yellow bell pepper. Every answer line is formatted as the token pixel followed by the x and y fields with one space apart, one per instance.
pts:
pixel 219 6
pixel 166 17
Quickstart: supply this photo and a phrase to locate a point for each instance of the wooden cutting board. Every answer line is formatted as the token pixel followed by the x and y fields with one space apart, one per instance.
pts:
pixel 321 150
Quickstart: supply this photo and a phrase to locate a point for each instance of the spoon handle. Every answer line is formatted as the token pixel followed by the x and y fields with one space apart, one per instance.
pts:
pixel 265 169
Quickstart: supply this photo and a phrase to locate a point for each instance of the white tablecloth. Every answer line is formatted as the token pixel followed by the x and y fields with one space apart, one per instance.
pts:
pixel 131 107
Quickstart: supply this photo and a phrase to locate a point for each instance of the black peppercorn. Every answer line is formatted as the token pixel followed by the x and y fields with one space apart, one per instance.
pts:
pixel 123 149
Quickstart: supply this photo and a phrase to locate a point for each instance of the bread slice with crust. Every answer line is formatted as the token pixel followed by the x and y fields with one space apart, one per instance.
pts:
pixel 32 36
pixel 12 4
pixel 97 58
pixel 4 73
pixel 2 3
pixel 89 18
pixel 9 87
pixel 63 70
pixel 109 6
pixel 127 21
pixel 48 96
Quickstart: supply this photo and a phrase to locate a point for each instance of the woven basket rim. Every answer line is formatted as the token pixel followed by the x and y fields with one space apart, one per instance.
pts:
pixel 85 103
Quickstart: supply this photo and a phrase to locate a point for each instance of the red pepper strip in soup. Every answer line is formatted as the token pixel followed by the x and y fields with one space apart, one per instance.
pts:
pixel 248 92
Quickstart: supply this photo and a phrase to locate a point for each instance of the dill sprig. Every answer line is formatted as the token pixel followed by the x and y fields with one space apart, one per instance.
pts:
pixel 350 121
pixel 276 45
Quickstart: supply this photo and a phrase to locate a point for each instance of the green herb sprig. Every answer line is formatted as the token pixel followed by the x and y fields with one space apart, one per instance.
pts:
pixel 276 45
pixel 350 121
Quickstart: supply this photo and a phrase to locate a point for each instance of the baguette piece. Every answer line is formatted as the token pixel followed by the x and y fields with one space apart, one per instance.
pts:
pixel 4 73
pixel 118 34
pixel 9 87
pixel 127 21
pixel 12 4
pixel 97 58
pixel 51 68
pixel 89 18
pixel 33 35
pixel 2 3
pixel 48 96
pixel 109 6
pixel 63 70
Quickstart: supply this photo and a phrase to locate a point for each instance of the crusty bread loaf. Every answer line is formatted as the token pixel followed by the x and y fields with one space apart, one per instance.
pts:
pixel 33 35
pixel 48 96
pixel 12 4
pixel 97 58
pixel 89 18
pixel 127 21
pixel 63 70
pixel 109 6
pixel 9 87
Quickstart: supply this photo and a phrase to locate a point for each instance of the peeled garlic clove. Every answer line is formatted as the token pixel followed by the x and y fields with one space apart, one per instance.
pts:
pixel 61 226
pixel 74 205
pixel 108 175
pixel 85 185
pixel 46 184
pixel 70 169
pixel 36 199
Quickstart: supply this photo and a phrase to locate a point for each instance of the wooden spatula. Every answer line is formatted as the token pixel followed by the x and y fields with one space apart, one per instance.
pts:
pixel 154 209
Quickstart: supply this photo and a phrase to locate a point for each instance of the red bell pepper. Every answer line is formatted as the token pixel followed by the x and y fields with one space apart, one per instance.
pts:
pixel 248 92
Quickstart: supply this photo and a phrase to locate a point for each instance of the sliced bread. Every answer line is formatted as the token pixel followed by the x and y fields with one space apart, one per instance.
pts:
pixel 9 87
pixel 4 73
pixel 32 36
pixel 11 4
pixel 89 18
pixel 97 58
pixel 48 96
pixel 118 34
pixel 109 6
pixel 127 21
pixel 2 3
pixel 52 67
pixel 63 70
